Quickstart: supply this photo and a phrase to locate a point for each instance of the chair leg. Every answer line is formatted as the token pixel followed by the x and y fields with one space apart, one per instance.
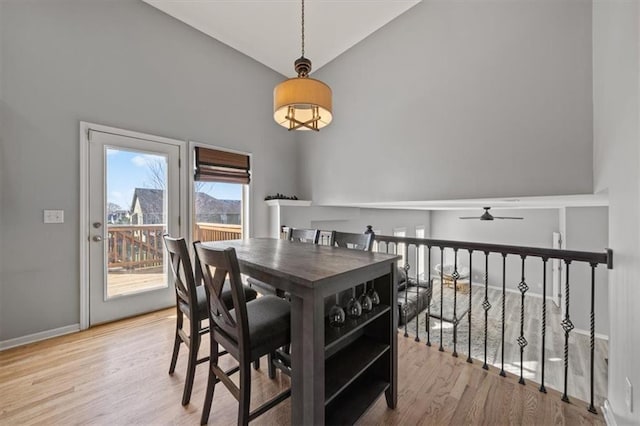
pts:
pixel 211 385
pixel 245 394
pixel 176 349
pixel 256 364
pixel 191 365
pixel 272 368
pixel 176 343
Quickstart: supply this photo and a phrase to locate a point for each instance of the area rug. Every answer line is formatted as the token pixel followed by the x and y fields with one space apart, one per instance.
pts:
pixel 445 328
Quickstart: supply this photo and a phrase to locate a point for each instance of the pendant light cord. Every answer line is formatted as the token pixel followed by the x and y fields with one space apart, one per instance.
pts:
pixel 303 28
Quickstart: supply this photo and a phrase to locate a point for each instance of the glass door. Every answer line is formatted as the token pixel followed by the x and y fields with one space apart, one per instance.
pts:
pixel 134 200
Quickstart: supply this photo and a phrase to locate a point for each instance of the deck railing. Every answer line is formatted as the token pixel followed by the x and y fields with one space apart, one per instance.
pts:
pixel 463 252
pixel 133 247
pixel 216 232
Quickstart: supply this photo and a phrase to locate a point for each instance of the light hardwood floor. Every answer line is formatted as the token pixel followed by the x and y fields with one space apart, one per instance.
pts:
pixel 579 355
pixel 117 374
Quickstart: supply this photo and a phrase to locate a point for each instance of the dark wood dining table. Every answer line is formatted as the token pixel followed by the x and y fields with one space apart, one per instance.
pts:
pixel 336 373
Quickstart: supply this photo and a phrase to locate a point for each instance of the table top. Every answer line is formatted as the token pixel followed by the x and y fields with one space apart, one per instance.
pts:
pixel 306 264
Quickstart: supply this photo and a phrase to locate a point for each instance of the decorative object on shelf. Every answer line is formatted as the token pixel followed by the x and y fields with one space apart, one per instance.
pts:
pixel 373 295
pixel 365 301
pixel 336 315
pixel 354 308
pixel 279 196
pixel 488 216
pixel 302 103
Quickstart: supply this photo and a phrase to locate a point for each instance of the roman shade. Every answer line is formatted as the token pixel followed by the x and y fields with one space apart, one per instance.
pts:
pixel 213 165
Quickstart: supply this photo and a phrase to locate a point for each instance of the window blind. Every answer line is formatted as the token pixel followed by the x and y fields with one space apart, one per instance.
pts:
pixel 213 165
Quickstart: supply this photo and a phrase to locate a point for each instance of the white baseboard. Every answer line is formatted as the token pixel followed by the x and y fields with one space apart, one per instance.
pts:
pixel 36 337
pixel 607 412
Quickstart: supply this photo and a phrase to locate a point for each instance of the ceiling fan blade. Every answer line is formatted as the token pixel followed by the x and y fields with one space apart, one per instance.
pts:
pixel 507 217
pixel 469 217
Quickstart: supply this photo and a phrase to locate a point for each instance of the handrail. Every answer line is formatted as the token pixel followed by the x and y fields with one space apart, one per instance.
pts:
pixel 592 259
pixel 605 258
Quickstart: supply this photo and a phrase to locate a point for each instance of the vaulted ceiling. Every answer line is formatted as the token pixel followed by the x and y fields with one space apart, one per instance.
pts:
pixel 269 30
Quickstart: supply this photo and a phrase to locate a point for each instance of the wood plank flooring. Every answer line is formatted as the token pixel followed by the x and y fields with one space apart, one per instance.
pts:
pixel 579 355
pixel 117 374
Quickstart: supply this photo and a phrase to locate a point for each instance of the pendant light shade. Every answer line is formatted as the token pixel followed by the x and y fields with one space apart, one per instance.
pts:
pixel 302 103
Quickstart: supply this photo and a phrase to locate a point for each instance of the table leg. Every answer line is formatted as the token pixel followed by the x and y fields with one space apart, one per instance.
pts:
pixel 307 360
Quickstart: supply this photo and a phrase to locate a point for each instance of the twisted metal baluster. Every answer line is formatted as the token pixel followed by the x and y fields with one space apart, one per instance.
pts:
pixel 469 360
pixel 417 339
pixel 441 348
pixel 486 306
pixel 523 287
pixel 455 277
pixel 567 325
pixel 504 289
pixel 592 335
pixel 429 295
pixel 544 319
pixel 406 288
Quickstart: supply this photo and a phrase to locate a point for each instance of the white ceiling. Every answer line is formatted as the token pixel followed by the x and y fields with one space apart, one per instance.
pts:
pixel 269 30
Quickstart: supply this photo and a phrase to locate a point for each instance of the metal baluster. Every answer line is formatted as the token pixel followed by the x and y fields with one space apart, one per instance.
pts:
pixel 592 334
pixel 486 306
pixel 441 348
pixel 544 319
pixel 469 360
pixel 417 339
pixel 504 286
pixel 523 287
pixel 455 277
pixel 567 325
pixel 406 288
pixel 429 295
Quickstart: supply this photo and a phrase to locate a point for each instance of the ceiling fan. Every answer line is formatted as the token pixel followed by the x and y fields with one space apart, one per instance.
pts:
pixel 488 216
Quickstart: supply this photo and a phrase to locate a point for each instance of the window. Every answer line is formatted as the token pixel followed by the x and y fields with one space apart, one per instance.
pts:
pixel 218 197
pixel 401 249
pixel 421 251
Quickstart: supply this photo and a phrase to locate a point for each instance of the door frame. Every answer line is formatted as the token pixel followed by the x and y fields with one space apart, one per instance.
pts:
pixel 85 129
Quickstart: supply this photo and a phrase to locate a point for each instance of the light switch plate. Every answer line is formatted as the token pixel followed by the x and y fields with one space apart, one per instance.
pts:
pixel 54 216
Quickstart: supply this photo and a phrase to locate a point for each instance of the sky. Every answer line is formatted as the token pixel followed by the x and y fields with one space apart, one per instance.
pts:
pixel 127 170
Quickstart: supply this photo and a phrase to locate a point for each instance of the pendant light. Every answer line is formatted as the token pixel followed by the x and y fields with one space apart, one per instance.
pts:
pixel 302 103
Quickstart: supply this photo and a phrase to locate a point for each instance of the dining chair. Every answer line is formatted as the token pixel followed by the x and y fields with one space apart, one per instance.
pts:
pixel 247 331
pixel 191 302
pixel 353 241
pixel 303 235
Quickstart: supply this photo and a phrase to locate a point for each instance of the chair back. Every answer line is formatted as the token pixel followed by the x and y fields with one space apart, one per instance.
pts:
pixel 183 280
pixel 215 265
pixel 304 235
pixel 353 241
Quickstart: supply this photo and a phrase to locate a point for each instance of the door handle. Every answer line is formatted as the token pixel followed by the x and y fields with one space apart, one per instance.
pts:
pixel 97 238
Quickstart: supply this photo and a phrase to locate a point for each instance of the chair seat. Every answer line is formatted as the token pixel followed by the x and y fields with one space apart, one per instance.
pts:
pixel 201 294
pixel 269 324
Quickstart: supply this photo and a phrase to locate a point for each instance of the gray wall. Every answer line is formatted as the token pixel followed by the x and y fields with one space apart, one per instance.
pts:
pixel 459 99
pixel 534 231
pixel 119 63
pixel 616 121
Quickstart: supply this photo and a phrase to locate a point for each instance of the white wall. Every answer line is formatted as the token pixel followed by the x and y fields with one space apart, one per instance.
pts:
pixel 459 99
pixel 616 96
pixel 119 63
